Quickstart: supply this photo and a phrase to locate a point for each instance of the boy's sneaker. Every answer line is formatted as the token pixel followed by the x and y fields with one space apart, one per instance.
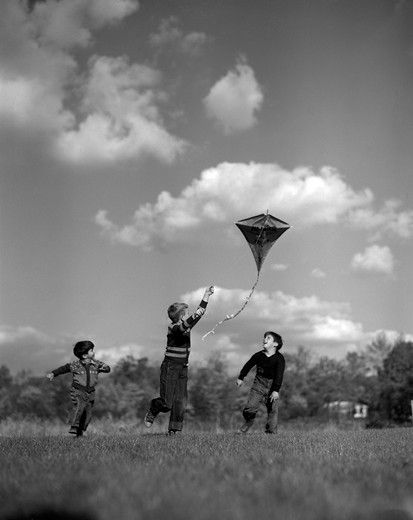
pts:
pixel 173 432
pixel 149 418
pixel 73 430
pixel 245 427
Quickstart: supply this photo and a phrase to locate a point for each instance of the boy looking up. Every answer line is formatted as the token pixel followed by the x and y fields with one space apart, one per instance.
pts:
pixel 270 365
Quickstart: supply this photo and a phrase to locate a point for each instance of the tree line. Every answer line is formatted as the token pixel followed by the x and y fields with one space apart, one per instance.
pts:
pixel 381 376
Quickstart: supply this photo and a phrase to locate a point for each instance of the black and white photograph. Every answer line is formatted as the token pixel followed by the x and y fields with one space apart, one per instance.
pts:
pixel 206 237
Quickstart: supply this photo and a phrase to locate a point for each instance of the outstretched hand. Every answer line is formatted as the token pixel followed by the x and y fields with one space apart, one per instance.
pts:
pixel 239 382
pixel 50 376
pixel 274 396
pixel 209 291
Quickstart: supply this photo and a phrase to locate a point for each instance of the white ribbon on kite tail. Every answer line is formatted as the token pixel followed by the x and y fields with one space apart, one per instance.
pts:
pixel 231 316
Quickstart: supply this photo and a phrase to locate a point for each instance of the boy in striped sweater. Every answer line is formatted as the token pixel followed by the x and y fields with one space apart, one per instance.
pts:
pixel 174 367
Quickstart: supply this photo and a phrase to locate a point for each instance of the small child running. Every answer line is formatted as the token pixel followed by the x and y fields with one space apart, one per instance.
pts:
pixel 270 365
pixel 174 367
pixel 85 372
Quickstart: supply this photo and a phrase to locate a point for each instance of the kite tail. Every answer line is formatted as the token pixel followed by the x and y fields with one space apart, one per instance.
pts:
pixel 232 316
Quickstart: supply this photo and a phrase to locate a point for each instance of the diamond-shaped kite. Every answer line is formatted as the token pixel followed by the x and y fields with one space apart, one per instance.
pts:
pixel 261 232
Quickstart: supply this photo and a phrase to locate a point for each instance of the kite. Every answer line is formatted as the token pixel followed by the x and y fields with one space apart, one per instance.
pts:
pixel 261 232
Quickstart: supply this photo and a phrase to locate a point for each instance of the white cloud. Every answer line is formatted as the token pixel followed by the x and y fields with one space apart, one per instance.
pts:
pixel 26 348
pixel 387 220
pixel 279 267
pixel 375 258
pixel 318 273
pixel 230 190
pixel 235 99
pixel 69 24
pixel 109 110
pixel 320 325
pixel 111 355
pixel 123 119
pixel 304 321
pixel 171 36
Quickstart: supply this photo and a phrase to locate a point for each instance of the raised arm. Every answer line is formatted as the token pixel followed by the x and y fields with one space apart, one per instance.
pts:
pixel 197 315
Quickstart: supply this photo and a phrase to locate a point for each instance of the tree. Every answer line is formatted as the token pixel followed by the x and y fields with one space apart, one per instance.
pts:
pixel 376 352
pixel 212 393
pixel 137 383
pixel 295 384
pixel 326 383
pixel 396 382
pixel 6 378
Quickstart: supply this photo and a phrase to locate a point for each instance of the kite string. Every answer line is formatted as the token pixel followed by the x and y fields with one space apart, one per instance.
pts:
pixel 231 316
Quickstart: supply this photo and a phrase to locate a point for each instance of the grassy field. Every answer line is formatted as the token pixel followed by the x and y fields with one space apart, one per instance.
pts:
pixel 366 474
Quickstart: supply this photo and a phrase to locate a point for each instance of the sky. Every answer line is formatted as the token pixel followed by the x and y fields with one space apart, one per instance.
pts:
pixel 134 134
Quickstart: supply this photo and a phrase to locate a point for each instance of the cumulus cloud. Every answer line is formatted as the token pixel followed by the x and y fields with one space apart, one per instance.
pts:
pixel 29 349
pixel 170 36
pixel 26 348
pixel 374 259
pixel 279 267
pixel 42 85
pixel 321 325
pixel 235 99
pixel 388 220
pixel 230 190
pixel 318 273
pixel 123 119
pixel 111 355
pixel 69 24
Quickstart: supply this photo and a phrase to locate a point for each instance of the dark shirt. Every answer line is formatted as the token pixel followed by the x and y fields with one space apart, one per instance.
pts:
pixel 178 339
pixel 270 367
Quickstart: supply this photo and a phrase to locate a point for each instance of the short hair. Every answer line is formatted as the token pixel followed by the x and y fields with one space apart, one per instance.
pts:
pixel 276 337
pixel 82 347
pixel 176 310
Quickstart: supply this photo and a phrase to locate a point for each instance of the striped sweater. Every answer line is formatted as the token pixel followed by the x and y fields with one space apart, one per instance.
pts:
pixel 178 340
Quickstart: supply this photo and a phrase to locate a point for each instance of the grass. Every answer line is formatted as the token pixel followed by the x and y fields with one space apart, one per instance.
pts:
pixel 122 475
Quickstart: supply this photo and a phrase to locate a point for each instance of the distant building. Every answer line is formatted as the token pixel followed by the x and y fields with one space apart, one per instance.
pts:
pixel 346 410
pixel 360 411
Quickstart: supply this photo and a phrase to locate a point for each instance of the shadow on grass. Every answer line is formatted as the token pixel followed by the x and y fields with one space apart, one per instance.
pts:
pixel 50 513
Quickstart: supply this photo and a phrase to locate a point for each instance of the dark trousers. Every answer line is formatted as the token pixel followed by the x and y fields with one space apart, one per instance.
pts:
pixel 173 393
pixel 81 412
pixel 260 393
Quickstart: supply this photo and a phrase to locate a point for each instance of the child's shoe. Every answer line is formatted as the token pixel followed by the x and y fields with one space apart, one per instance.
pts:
pixel 245 427
pixel 149 418
pixel 173 432
pixel 73 430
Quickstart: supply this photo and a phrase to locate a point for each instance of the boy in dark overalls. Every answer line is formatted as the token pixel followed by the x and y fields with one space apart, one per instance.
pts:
pixel 85 372
pixel 174 368
pixel 270 365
